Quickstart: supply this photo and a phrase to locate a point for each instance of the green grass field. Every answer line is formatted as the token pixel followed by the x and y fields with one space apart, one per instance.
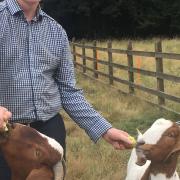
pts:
pixel 171 67
pixel 89 161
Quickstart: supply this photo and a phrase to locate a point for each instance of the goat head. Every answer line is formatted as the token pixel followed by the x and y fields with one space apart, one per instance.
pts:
pixel 162 135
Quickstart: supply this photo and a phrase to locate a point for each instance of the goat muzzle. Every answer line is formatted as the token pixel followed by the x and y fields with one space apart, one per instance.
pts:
pixel 141 154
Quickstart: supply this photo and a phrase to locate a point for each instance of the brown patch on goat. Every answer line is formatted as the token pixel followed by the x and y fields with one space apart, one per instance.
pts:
pixel 163 161
pixel 43 173
pixel 146 174
pixel 24 150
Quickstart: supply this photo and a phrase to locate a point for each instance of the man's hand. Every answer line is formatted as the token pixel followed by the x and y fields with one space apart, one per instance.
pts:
pixel 5 115
pixel 118 139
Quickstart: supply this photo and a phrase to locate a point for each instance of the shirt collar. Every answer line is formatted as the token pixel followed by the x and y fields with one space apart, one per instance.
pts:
pixel 40 13
pixel 14 8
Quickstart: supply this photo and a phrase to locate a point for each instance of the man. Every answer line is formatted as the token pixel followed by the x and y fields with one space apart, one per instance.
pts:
pixel 37 77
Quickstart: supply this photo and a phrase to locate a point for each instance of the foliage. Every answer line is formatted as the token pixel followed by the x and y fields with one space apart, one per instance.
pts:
pixel 116 18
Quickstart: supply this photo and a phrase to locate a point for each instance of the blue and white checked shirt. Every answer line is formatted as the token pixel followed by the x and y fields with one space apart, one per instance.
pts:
pixel 37 74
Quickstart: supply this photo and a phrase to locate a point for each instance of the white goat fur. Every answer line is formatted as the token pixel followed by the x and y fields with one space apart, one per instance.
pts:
pixel 58 168
pixel 151 136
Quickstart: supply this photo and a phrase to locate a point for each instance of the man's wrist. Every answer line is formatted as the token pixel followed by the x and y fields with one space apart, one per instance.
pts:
pixel 99 129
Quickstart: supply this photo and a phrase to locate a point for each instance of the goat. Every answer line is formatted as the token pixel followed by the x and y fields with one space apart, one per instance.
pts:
pixel 30 154
pixel 156 154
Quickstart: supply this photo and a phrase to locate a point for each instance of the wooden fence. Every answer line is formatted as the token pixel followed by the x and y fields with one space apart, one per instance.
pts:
pixel 158 73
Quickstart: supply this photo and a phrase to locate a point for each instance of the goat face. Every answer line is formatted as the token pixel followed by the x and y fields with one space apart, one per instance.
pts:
pixel 159 142
pixel 24 148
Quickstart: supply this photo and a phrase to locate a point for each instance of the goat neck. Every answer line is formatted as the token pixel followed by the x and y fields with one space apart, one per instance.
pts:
pixel 162 171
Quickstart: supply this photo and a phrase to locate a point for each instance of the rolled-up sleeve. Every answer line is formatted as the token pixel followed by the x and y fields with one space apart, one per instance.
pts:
pixel 73 100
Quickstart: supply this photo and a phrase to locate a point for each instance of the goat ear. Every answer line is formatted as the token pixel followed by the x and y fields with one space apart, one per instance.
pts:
pixel 140 136
pixel 175 150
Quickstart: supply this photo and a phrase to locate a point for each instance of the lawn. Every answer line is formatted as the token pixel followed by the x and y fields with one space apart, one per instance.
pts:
pixel 170 67
pixel 89 161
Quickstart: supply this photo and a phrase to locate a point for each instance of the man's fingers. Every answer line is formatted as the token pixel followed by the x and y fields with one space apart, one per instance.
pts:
pixel 3 108
pixel 118 146
pixel 122 136
pixel 125 133
pixel 118 138
pixel 5 115
pixel 125 139
pixel 8 115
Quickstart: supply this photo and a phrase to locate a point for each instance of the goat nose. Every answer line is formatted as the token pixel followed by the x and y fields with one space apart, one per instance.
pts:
pixel 140 143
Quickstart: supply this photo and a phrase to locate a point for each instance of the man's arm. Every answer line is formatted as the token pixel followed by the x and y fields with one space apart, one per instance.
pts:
pixel 73 100
pixel 78 108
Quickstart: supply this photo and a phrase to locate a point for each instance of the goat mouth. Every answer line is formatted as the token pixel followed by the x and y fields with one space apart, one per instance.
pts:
pixel 141 157
pixel 141 161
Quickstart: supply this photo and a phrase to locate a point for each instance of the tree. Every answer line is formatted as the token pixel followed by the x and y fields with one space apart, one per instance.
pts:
pixel 116 18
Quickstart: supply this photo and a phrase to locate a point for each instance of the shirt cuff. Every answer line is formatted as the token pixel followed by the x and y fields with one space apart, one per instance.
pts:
pixel 98 129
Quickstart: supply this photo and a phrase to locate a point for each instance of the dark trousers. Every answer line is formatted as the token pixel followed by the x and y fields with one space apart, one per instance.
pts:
pixel 54 128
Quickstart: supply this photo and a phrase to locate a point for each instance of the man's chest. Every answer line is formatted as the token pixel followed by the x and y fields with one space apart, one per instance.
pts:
pixel 25 45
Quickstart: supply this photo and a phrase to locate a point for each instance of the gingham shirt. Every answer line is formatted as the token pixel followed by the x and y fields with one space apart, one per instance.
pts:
pixel 37 74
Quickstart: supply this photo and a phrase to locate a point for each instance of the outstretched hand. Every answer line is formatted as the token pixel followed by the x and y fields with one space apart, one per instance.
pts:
pixel 5 115
pixel 118 139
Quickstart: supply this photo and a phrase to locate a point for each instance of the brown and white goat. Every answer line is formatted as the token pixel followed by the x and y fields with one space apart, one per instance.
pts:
pixel 156 154
pixel 30 154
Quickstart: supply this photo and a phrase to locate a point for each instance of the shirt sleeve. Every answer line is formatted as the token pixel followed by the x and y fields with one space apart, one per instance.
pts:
pixel 73 100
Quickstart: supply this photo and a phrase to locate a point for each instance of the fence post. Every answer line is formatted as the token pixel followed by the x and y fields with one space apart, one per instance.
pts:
pixel 109 48
pixel 74 51
pixel 159 69
pixel 84 56
pixel 95 63
pixel 130 67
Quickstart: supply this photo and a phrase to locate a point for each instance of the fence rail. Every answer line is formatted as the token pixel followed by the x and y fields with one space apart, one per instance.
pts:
pixel 159 74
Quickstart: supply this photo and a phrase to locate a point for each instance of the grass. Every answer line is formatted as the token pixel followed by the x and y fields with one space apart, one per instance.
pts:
pixel 89 161
pixel 171 67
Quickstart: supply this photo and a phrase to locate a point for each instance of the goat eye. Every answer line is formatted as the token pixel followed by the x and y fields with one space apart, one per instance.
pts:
pixel 172 135
pixel 37 153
